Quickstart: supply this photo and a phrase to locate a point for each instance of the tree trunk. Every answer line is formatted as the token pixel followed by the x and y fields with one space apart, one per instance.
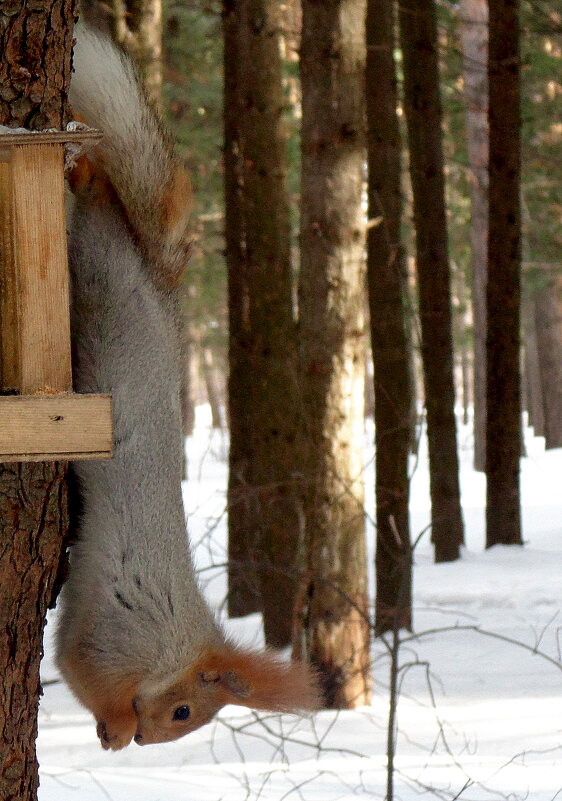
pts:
pixel 265 213
pixel 272 496
pixel 212 385
pixel 243 592
pixel 34 75
pixel 369 399
pixel 388 336
pixel 332 629
pixel 548 322
pixel 188 385
pixel 503 427
pixel 462 326
pixel 422 105
pixel 532 378
pixel 474 45
pixel 34 524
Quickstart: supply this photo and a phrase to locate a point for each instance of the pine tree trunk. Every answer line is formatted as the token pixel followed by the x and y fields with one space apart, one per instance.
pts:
pixel 188 401
pixel 332 629
pixel 265 206
pixel 422 105
pixel 532 378
pixel 474 44
pixel 34 74
pixel 243 591
pixel 33 527
pixel 212 385
pixel 503 426
pixel 465 360
pixel 388 336
pixel 548 321
pixel 272 494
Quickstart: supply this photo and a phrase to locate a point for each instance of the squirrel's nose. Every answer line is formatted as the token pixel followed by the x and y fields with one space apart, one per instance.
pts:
pixel 138 738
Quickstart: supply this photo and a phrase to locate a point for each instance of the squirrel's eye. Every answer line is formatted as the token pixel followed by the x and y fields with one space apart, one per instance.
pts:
pixel 181 713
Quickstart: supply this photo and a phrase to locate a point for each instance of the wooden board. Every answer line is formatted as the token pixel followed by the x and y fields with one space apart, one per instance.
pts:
pixel 55 427
pixel 9 339
pixel 8 140
pixel 42 271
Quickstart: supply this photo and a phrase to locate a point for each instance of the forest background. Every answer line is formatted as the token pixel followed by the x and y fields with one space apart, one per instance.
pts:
pixel 454 278
pixel 339 156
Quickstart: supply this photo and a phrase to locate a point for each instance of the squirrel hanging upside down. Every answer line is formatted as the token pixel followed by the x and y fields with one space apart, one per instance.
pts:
pixel 136 641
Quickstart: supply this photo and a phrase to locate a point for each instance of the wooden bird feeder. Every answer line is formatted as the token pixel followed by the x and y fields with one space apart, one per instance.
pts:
pixel 41 419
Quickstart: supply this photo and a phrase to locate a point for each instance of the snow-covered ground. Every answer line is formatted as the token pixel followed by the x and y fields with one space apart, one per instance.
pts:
pixel 479 717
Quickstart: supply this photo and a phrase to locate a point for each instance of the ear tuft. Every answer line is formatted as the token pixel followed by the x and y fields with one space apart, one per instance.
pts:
pixel 263 680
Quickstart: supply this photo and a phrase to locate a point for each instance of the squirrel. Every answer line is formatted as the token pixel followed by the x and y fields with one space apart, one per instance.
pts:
pixel 136 641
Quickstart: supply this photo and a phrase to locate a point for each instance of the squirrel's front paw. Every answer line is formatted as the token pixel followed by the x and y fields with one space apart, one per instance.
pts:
pixel 111 738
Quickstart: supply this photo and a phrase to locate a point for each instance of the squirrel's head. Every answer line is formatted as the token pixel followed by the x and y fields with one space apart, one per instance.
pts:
pixel 168 709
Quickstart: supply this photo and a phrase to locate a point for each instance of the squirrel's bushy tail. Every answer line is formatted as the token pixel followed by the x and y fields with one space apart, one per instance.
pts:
pixel 136 155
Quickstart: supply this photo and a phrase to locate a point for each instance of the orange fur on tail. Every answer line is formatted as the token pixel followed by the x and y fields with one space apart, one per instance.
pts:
pixel 176 203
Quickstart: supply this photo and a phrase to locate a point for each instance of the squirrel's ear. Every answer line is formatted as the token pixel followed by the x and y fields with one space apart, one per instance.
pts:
pixel 260 681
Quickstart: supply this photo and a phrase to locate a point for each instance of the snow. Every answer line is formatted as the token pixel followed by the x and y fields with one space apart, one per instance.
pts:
pixel 480 707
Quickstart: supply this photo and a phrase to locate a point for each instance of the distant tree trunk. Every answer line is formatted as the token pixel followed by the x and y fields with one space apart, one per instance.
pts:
pixel 243 592
pixel 413 372
pixel 474 43
pixel 533 388
pixel 212 385
pixel 188 400
pixel 272 492
pixel 35 44
pixel 369 399
pixel 422 105
pixel 332 629
pixel 265 205
pixel 137 26
pixel 462 333
pixel 548 321
pixel 388 336
pixel 503 427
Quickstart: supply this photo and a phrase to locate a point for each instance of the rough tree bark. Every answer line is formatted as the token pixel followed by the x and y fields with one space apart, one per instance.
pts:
pixel 272 494
pixel 35 42
pixel 393 605
pixel 503 424
pixel 243 591
pixel 548 324
pixel 265 212
pixel 332 630
pixel 474 44
pixel 422 106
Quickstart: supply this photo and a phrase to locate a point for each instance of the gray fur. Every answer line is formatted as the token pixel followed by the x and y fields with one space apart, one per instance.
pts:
pixel 132 595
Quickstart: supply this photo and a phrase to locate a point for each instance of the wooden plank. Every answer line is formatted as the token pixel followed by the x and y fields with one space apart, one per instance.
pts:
pixel 78 456
pixel 42 270
pixel 7 141
pixel 9 347
pixel 55 427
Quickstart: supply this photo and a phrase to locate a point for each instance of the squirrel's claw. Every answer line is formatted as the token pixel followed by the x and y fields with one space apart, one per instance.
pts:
pixel 101 731
pixel 110 740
